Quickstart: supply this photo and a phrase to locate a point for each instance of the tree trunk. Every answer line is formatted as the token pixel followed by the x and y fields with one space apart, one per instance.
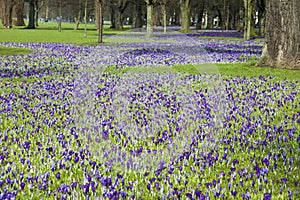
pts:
pixel 282 37
pixel 20 13
pixel 119 20
pixel 138 15
pixel 199 21
pixel 185 15
pixel 85 17
pixel 149 20
pixel 225 15
pixel 210 20
pixel 249 25
pixel 77 19
pixel 31 24
pixel 60 16
pixel 112 17
pixel 7 8
pixel 99 19
pixel 164 13
pixel 36 15
pixel 261 16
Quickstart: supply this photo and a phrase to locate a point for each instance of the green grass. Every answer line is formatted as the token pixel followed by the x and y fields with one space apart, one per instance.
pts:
pixel 220 38
pixel 230 69
pixel 13 51
pixel 47 32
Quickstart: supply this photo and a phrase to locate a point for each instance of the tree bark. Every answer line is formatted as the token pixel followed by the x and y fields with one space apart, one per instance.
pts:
pixel 282 37
pixel 31 24
pixel 20 13
pixel 185 15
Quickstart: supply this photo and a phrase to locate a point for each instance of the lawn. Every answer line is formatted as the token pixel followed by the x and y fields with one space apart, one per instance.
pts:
pixel 173 116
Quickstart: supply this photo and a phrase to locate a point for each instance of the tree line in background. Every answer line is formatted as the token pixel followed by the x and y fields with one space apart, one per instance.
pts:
pixel 277 20
pixel 208 14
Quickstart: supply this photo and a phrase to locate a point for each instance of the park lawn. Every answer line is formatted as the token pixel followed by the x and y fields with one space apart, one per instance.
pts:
pixel 13 51
pixel 47 32
pixel 247 69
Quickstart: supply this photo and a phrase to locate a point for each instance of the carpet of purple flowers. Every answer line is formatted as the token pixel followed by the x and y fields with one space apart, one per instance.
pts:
pixel 253 137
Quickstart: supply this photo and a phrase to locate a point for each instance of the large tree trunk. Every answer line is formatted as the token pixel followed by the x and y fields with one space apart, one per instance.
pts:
pixel 31 24
pixel 20 13
pixel 185 15
pixel 282 37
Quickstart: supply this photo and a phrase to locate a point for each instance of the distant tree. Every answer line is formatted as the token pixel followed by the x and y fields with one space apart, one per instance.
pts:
pixel 282 36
